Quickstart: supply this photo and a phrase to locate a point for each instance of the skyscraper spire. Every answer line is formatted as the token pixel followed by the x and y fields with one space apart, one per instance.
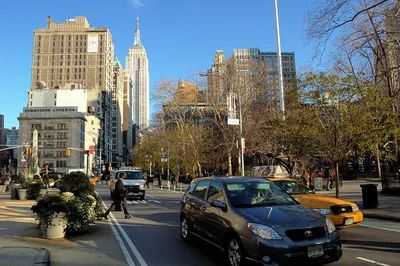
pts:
pixel 137 32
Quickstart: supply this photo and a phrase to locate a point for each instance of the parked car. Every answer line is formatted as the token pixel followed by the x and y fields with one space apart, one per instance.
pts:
pixel 254 219
pixel 342 213
pixel 134 183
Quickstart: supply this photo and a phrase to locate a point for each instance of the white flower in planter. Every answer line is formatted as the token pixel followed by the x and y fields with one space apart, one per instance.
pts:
pixel 92 199
pixel 68 195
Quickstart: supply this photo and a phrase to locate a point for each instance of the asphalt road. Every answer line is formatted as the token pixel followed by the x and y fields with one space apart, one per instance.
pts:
pixel 151 236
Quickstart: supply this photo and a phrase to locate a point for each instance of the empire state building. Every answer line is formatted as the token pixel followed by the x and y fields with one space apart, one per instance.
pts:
pixel 137 68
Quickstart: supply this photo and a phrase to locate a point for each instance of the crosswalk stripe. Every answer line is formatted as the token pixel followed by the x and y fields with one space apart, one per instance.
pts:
pixel 141 201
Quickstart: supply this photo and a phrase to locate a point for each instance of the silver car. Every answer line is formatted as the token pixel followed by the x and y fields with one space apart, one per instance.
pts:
pixel 134 183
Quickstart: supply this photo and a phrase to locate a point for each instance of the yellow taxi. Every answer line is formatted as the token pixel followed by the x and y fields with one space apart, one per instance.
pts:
pixel 343 213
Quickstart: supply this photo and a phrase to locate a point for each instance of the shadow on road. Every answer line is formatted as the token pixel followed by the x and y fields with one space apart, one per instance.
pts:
pixel 391 247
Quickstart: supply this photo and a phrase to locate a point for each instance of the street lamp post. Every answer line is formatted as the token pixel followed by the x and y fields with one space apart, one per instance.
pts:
pixel 241 134
pixel 278 45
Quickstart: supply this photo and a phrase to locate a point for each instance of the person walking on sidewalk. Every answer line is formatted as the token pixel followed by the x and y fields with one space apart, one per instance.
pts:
pixel 119 197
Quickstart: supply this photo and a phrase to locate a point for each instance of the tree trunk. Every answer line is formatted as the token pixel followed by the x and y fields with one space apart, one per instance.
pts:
pixel 337 179
pixel 239 167
pixel 199 168
pixel 229 164
pixel 378 162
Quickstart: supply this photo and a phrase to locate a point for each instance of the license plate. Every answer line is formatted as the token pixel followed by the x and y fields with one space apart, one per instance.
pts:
pixel 131 193
pixel 315 251
pixel 348 221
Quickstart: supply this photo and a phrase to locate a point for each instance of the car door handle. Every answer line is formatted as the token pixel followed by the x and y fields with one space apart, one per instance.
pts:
pixel 203 208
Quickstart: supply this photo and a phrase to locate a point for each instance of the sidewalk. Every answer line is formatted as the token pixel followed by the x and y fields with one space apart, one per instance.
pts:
pixel 22 244
pixel 389 206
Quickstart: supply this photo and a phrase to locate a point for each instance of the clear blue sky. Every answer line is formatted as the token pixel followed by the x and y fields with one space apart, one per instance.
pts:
pixel 179 35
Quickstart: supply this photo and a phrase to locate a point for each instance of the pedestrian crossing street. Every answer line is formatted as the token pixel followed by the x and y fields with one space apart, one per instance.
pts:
pixel 131 202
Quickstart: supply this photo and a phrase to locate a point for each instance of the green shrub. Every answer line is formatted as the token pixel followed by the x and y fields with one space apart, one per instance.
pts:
pixel 99 208
pixel 33 191
pixel 81 213
pixel 25 184
pixel 77 183
pixel 36 177
pixel 53 176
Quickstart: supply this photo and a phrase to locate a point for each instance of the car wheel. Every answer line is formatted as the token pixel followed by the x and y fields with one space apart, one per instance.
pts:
pixel 185 231
pixel 235 251
pixel 142 197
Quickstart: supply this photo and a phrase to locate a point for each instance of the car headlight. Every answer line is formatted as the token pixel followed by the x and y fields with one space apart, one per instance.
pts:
pixel 263 231
pixel 355 208
pixel 330 225
pixel 142 186
pixel 323 211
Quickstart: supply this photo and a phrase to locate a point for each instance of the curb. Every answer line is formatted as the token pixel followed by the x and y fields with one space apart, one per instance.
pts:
pixel 39 256
pixel 43 258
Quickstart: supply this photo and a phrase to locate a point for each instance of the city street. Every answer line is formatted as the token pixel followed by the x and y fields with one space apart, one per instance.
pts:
pixel 151 236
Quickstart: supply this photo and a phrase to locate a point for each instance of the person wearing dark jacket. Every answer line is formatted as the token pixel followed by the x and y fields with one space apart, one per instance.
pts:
pixel 119 197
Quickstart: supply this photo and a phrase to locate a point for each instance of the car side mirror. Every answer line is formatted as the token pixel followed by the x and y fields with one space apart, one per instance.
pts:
pixel 218 204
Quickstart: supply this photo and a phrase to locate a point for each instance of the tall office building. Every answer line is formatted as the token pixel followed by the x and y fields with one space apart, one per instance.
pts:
pixel 137 67
pixel 217 79
pixel 244 60
pixel 74 52
pixel 127 122
pixel 117 111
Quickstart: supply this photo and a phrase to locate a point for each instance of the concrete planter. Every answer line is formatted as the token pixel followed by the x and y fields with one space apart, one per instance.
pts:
pixel 56 228
pixel 3 189
pixel 22 195
pixel 13 190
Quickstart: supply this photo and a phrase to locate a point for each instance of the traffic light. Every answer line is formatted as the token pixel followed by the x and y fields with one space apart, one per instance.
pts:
pixel 91 149
pixel 67 153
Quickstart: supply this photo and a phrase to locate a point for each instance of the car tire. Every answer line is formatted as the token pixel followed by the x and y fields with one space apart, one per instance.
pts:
pixel 142 197
pixel 185 229
pixel 235 251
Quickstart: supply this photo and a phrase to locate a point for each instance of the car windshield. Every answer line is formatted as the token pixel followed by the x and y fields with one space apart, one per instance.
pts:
pixel 293 187
pixel 255 194
pixel 133 175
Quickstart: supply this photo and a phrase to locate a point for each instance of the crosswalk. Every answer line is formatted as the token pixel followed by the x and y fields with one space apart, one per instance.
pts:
pixel 142 201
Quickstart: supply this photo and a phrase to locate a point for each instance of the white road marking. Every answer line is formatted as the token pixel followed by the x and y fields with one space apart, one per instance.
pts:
pixel 142 201
pixel 380 228
pixel 132 202
pixel 150 196
pixel 155 201
pixel 119 239
pixel 372 261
